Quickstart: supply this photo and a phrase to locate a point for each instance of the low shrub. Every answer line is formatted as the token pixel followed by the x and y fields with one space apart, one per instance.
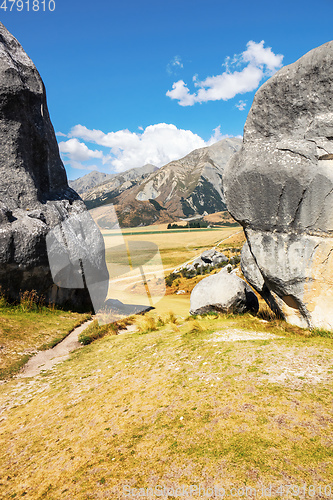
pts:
pixel 96 331
pixel 171 278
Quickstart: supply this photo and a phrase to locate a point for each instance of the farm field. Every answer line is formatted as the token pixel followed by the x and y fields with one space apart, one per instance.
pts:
pixel 176 246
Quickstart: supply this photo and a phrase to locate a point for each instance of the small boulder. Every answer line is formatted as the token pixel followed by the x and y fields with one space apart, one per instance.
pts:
pixel 213 257
pixel 224 292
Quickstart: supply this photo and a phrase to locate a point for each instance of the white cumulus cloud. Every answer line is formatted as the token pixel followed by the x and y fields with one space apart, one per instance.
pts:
pixel 76 151
pixel 258 62
pixel 257 55
pixel 218 136
pixel 157 144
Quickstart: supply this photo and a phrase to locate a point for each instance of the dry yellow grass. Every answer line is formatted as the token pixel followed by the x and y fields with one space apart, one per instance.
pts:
pixel 24 332
pixel 173 407
pixel 176 247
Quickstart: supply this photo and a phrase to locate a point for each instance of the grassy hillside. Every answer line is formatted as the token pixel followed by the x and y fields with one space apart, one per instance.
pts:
pixel 27 328
pixel 218 401
pixel 228 404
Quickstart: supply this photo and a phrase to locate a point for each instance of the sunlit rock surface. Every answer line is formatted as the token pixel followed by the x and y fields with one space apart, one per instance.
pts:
pixel 280 188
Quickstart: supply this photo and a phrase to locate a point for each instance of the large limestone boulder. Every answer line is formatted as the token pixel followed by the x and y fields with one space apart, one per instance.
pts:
pixel 224 292
pixel 280 188
pixel 48 241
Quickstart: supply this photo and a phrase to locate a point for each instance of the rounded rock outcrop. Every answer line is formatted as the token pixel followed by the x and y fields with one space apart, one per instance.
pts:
pixel 223 292
pixel 279 186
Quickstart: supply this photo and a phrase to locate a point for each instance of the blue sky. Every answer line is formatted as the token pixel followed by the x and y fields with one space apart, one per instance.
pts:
pixel 143 81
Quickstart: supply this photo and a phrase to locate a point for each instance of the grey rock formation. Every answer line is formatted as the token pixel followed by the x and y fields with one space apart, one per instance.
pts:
pixel 209 258
pixel 224 292
pixel 280 188
pixel 34 195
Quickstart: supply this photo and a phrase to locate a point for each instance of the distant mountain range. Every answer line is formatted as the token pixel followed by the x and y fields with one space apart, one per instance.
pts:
pixel 95 185
pixel 88 181
pixel 183 188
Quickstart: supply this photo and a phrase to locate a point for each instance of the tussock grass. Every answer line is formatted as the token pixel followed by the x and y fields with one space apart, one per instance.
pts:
pixel 160 322
pixel 30 301
pixel 171 318
pixel 265 312
pixel 151 322
pixel 196 328
pixel 146 324
pixel 174 327
pixel 95 331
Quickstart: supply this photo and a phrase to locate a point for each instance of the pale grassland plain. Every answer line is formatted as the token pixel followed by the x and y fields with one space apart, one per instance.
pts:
pixel 178 246
pixel 175 248
pixel 180 405
pixel 179 402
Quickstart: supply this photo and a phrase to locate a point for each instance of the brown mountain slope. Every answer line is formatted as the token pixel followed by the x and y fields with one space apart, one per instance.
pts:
pixel 187 187
pixel 183 188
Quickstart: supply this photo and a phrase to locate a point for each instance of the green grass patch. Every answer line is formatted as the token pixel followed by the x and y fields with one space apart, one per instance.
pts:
pixel 30 327
pixel 95 331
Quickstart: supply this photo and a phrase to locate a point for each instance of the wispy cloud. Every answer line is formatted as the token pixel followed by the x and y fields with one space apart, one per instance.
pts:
pixel 157 144
pixel 174 65
pixel 257 62
pixel 218 136
pixel 241 105
pixel 60 134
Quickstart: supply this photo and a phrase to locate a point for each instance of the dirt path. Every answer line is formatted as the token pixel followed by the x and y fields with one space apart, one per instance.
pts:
pixel 45 360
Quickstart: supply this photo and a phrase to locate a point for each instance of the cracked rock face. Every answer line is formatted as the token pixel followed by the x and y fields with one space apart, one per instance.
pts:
pixel 35 198
pixel 280 188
